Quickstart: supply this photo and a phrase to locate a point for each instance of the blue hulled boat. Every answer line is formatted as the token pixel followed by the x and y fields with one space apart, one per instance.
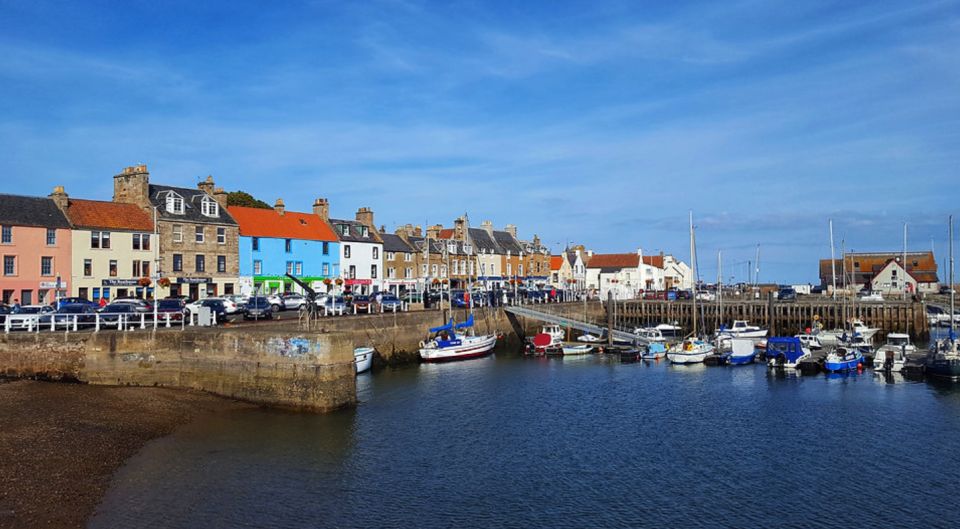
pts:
pixel 786 352
pixel 843 359
pixel 741 352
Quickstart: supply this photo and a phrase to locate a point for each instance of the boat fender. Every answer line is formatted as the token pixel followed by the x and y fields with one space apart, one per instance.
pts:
pixel 421 344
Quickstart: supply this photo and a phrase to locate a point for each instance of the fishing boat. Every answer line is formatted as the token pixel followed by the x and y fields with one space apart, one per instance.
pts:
pixel 577 349
pixel 835 336
pixel 741 352
pixel 943 359
pixel 690 351
pixel 363 358
pixel 627 353
pixel 654 351
pixel 649 335
pixel 810 341
pixel 446 344
pixel 669 331
pixel 786 352
pixel 843 358
pixel 892 355
pixel 555 332
pixel 743 329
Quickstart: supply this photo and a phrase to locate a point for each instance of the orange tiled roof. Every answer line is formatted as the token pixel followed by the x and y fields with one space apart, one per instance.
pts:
pixel 556 262
pixel 108 215
pixel 257 222
pixel 653 260
pixel 614 260
pixel 446 233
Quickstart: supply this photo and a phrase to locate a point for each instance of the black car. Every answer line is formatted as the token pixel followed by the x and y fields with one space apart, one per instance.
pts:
pixel 217 307
pixel 4 310
pixel 78 301
pixel 173 307
pixel 258 308
pixel 83 313
pixel 114 313
pixel 787 294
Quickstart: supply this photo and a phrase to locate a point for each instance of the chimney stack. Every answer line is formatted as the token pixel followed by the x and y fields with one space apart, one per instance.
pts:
pixel 321 208
pixel 206 186
pixel 132 186
pixel 60 198
pixel 279 207
pixel 460 228
pixel 511 229
pixel 365 217
pixel 433 232
pixel 488 226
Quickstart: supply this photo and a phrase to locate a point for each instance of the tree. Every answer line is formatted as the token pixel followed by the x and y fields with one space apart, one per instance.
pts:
pixel 242 198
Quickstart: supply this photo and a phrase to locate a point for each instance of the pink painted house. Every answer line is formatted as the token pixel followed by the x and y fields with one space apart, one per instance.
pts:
pixel 35 250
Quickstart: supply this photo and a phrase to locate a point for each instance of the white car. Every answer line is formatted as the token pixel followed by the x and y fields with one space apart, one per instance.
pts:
pixel 871 296
pixel 139 305
pixel 28 317
pixel 706 296
pixel 230 305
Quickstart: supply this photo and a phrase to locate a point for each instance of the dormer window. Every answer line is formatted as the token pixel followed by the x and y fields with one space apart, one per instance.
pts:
pixel 175 204
pixel 344 229
pixel 209 207
pixel 364 231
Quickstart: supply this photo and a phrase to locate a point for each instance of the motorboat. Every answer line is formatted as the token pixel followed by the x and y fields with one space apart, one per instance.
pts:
pixel 627 353
pixel 943 360
pixel 810 341
pixel 741 352
pixel 654 351
pixel 786 352
pixel 555 332
pixel 363 358
pixel 743 329
pixel 690 351
pixel 577 349
pixel 892 355
pixel 446 344
pixel 833 337
pixel 669 331
pixel 649 335
pixel 843 358
pixel 588 338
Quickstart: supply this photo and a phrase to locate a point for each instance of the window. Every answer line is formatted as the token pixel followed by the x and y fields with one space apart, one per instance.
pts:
pixel 221 263
pixel 96 293
pixel 344 229
pixel 113 268
pixel 46 266
pixel 408 257
pixel 201 264
pixel 141 241
pixel 376 252
pixel 391 256
pixel 408 273
pixel 391 273
pixel 423 270
pixel 51 236
pixel 145 238
pixel 199 233
pixel 258 267
pixel 87 268
pixel 175 204
pixel 177 233
pixel 290 267
pixel 100 239
pixel 364 231
pixel 353 272
pixel 209 207
pixel 434 270
pixel 7 234
pixel 106 293
pixel 178 262
pixel 326 269
pixel 287 245
pixel 145 268
pixel 373 271
pixel 346 250
pixel 299 270
pixel 856 264
pixel 136 269
pixel 443 271
pixel 221 236
pixel 326 248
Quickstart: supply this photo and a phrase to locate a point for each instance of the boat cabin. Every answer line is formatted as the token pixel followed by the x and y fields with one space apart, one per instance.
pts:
pixel 789 347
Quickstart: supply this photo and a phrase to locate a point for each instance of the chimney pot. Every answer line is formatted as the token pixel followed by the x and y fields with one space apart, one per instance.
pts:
pixel 279 207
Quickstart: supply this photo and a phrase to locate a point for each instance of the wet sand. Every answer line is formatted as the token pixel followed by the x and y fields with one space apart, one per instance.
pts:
pixel 61 443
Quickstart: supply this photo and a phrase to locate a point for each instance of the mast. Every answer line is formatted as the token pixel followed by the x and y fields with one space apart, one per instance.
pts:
pixel 905 274
pixel 952 293
pixel 843 268
pixel 719 289
pixel 693 272
pixel 833 263
pixel 756 275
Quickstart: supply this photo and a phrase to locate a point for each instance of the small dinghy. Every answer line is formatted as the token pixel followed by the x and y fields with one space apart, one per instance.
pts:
pixel 579 349
pixel 654 351
pixel 843 359
pixel 363 358
pixel 741 352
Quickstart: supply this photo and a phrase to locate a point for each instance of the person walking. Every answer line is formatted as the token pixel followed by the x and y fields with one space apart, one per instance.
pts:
pixel 16 306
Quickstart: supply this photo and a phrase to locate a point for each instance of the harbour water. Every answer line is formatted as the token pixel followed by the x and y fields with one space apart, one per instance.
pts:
pixel 513 441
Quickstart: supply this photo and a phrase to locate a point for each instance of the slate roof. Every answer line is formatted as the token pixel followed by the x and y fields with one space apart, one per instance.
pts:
pixel 614 261
pixel 355 233
pixel 100 214
pixel 572 257
pixel 260 222
pixel 395 243
pixel 16 210
pixel 191 203
pixel 436 247
pixel 483 241
pixel 507 242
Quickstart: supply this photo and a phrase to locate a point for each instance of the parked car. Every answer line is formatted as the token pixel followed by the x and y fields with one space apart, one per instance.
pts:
pixel 112 314
pixel 787 294
pixel 684 294
pixel 78 301
pixel 412 296
pixel 390 302
pixel 363 303
pixel 292 301
pixel 4 310
pixel 870 295
pixel 704 295
pixel 276 300
pixel 258 308
pixel 28 317
pixel 336 304
pixel 173 307
pixel 83 313
pixel 229 306
pixel 139 305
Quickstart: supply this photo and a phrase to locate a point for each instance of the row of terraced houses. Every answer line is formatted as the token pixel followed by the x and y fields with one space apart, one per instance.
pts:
pixel 154 240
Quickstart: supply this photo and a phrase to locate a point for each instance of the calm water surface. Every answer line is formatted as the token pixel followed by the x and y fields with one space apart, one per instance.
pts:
pixel 509 441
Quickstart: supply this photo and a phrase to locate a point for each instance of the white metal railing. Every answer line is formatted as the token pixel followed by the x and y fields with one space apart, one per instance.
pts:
pixel 94 322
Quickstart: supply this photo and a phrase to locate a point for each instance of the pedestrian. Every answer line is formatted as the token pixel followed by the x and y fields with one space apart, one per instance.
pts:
pixel 103 302
pixel 16 306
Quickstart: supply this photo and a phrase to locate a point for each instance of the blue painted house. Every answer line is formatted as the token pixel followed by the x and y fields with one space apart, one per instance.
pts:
pixel 275 242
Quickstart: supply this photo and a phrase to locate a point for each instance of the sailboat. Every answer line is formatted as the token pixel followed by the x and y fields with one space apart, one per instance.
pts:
pixel 943 360
pixel 693 349
pixel 447 345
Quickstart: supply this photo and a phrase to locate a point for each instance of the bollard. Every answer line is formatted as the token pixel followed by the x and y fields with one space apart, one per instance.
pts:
pixel 143 320
pixel 96 322
pixel 120 322
pixel 75 318
pixel 53 322
pixel 6 325
pixel 168 319
pixel 354 309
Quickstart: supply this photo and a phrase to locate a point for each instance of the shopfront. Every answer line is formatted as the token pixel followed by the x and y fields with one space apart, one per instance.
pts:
pixel 119 288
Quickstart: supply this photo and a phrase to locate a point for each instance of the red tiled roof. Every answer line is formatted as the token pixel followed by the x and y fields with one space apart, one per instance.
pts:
pixel 108 215
pixel 257 222
pixel 653 260
pixel 556 262
pixel 614 260
pixel 446 233
pixel 861 267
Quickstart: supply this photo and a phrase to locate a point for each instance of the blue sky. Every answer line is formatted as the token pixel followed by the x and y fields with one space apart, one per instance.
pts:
pixel 597 122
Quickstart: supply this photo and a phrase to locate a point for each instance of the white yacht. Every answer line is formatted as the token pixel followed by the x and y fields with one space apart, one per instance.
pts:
pixel 892 355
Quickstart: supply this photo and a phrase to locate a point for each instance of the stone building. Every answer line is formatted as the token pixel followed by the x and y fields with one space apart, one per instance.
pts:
pixel 400 263
pixel 198 239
